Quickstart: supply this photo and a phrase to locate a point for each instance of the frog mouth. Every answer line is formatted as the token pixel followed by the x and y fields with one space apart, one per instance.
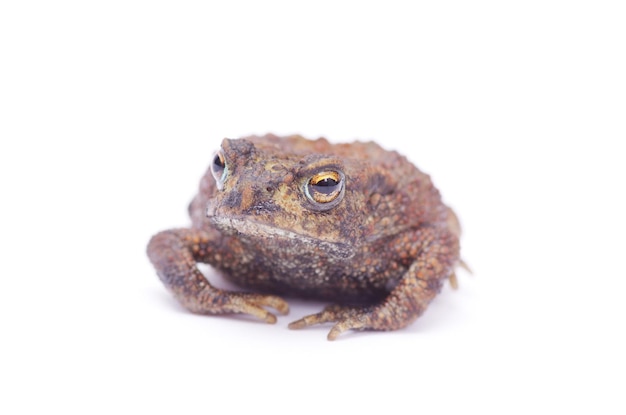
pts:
pixel 279 237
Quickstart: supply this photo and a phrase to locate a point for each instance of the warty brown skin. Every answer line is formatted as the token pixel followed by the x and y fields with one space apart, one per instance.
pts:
pixel 374 237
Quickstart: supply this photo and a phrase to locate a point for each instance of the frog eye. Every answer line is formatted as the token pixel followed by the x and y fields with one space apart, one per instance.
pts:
pixel 325 189
pixel 219 169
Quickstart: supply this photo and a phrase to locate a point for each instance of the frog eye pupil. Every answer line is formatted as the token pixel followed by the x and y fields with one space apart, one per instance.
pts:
pixel 219 170
pixel 218 161
pixel 326 185
pixel 325 189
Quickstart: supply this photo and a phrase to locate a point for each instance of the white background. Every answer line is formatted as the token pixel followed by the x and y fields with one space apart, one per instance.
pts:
pixel 110 111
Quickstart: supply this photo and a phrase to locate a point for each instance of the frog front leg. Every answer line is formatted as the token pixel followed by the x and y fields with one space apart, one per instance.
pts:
pixel 175 253
pixel 437 253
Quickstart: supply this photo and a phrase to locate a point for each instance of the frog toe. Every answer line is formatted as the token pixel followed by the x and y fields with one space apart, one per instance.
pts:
pixel 272 301
pixel 252 304
pixel 346 318
pixel 351 323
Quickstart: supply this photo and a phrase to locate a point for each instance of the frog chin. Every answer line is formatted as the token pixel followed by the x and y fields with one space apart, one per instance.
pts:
pixel 269 235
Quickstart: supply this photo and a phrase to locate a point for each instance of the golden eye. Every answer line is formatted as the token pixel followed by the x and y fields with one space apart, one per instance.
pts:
pixel 219 169
pixel 325 188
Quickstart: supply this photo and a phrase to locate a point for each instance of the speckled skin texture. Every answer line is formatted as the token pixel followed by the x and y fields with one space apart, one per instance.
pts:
pixel 285 216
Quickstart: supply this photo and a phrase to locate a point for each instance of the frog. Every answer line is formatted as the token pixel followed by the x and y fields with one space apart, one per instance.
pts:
pixel 350 224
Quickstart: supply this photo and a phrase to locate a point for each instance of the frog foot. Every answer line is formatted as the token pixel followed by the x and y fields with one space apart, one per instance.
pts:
pixel 252 304
pixel 214 301
pixel 345 318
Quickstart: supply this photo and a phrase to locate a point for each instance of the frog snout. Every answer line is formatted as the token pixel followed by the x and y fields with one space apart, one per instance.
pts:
pixel 248 200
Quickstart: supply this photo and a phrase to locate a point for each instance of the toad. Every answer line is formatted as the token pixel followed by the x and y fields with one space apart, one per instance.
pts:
pixel 352 224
